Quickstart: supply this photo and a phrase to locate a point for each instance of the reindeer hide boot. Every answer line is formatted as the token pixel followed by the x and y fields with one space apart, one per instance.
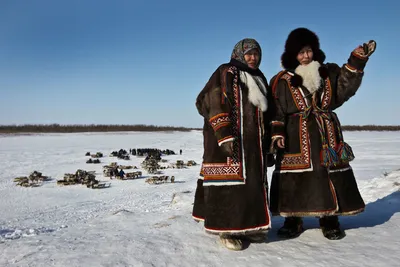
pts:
pixel 231 242
pixel 330 227
pixel 292 227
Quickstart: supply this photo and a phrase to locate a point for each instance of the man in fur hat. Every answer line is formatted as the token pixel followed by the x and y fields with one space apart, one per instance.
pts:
pixel 312 174
pixel 231 196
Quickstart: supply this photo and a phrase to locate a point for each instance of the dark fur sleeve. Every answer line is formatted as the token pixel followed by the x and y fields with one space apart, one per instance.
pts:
pixel 347 79
pixel 200 100
pixel 213 104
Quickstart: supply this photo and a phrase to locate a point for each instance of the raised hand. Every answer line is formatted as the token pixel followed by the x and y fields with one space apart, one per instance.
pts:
pixel 366 49
pixel 369 48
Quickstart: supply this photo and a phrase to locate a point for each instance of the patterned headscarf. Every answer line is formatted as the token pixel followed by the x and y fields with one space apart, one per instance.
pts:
pixel 244 46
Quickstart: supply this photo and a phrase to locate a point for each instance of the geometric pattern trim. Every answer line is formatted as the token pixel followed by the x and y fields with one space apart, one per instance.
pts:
pixel 300 160
pixel 220 120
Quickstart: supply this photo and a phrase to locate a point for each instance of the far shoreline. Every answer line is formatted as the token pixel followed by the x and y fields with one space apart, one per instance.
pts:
pixel 32 129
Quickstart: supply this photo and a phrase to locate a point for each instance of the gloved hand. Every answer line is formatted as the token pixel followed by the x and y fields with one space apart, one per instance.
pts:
pixel 369 48
pixel 366 49
pixel 227 148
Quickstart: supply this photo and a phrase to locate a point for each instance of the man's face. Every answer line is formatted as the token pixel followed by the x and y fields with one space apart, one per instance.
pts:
pixel 252 58
pixel 305 56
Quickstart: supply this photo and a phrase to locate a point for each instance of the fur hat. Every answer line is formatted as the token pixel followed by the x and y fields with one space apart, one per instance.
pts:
pixel 297 40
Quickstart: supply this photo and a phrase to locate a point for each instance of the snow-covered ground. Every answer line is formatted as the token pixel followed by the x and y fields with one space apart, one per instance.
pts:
pixel 133 223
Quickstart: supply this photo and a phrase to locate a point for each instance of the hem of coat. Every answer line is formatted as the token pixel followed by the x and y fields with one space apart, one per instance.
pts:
pixel 244 231
pixel 222 183
pixel 198 219
pixel 318 213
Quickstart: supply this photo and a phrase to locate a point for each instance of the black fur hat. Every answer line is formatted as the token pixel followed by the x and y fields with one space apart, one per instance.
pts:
pixel 296 40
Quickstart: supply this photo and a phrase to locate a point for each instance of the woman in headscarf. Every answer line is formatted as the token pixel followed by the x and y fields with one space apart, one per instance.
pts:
pixel 231 194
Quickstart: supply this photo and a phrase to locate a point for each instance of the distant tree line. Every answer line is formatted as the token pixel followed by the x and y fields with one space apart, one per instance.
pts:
pixel 371 128
pixel 76 128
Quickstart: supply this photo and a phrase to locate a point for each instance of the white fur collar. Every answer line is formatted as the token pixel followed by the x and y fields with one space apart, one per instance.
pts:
pixel 310 75
pixel 255 83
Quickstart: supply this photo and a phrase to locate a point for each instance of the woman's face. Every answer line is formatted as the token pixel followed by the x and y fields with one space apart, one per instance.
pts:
pixel 305 56
pixel 252 58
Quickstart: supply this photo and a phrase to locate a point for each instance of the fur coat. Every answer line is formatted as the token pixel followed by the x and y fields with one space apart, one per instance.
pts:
pixel 231 194
pixel 313 176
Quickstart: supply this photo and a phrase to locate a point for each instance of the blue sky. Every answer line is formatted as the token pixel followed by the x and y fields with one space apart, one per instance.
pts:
pixel 144 62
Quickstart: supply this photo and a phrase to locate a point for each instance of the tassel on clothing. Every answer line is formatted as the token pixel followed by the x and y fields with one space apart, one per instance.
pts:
pixel 329 157
pixel 345 152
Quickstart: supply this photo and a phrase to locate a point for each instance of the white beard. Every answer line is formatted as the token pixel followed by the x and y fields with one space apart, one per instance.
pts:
pixel 255 83
pixel 310 75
